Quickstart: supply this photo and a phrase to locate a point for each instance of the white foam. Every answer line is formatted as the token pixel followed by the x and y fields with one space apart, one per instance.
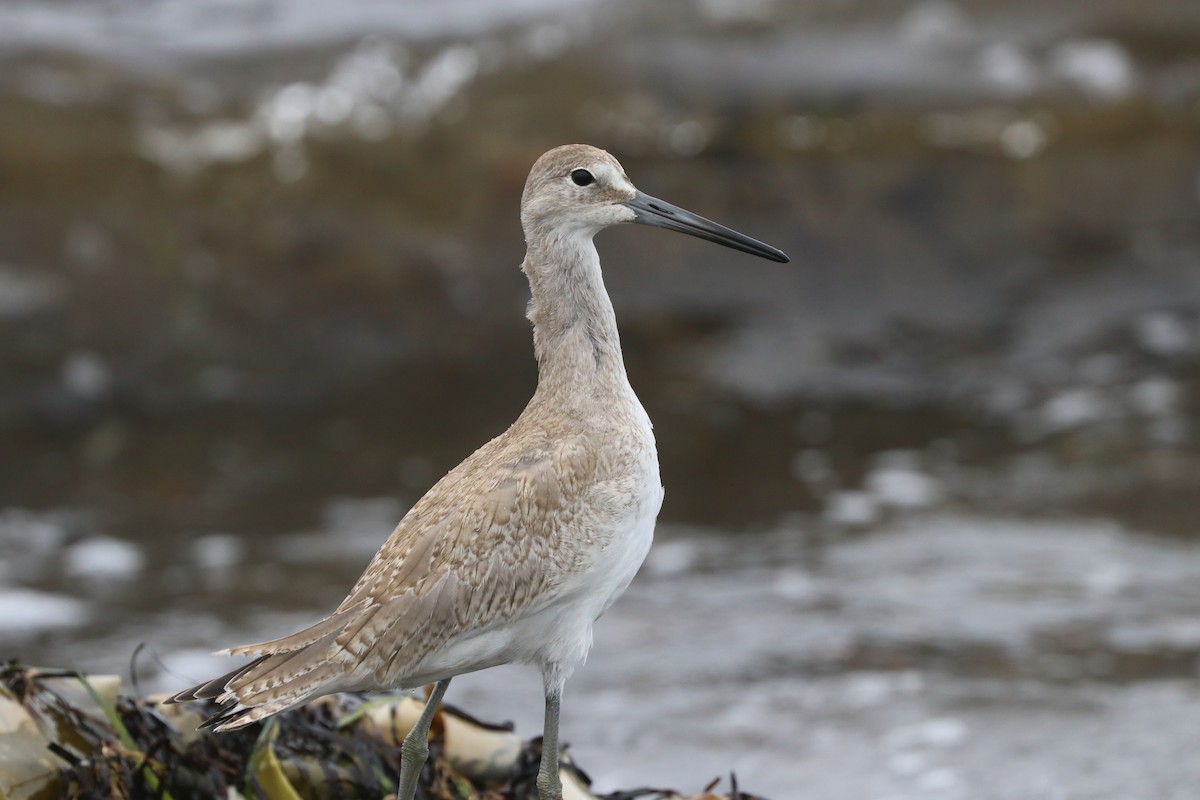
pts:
pixel 30 611
pixel 103 558
pixel 23 292
pixel 903 487
pixel 182 28
pixel 85 374
pixel 1100 68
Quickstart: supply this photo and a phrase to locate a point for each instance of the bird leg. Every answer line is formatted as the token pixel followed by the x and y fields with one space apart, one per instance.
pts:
pixel 549 784
pixel 415 749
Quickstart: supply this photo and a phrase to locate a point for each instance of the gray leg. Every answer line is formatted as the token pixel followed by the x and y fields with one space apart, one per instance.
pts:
pixel 415 749
pixel 549 785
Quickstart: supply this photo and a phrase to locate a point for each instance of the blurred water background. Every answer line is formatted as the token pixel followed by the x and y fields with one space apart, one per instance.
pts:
pixel 930 527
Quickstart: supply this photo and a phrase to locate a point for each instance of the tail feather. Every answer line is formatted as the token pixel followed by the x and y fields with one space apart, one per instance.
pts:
pixel 211 689
pixel 241 704
pixel 282 672
pixel 240 711
pixel 232 715
pixel 333 624
pixel 286 672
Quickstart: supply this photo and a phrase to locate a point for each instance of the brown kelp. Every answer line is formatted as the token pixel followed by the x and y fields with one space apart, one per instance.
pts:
pixel 66 734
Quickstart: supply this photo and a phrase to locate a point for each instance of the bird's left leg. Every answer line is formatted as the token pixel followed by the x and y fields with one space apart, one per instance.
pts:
pixel 549 784
pixel 415 749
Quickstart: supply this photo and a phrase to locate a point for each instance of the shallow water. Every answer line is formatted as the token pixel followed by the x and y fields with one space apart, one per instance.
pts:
pixel 930 489
pixel 918 660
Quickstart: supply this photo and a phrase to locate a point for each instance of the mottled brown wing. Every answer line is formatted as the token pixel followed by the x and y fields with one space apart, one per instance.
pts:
pixel 483 546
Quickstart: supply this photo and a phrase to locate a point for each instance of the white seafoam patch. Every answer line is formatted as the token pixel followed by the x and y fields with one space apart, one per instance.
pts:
pixel 24 292
pixel 103 558
pixel 28 611
pixel 215 28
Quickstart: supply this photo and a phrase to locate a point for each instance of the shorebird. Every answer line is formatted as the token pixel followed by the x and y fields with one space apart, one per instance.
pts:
pixel 513 555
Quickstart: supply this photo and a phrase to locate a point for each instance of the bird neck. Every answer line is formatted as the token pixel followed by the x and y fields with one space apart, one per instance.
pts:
pixel 575 334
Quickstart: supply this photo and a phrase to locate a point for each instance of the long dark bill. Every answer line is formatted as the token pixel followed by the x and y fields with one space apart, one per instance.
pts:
pixel 660 214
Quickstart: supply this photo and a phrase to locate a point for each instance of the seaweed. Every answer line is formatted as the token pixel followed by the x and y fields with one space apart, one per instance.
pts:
pixel 71 735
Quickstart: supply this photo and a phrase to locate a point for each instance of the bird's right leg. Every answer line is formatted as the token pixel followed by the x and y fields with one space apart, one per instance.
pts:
pixel 415 749
pixel 549 783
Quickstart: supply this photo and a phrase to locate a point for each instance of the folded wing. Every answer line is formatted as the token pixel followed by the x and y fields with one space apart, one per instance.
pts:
pixel 474 552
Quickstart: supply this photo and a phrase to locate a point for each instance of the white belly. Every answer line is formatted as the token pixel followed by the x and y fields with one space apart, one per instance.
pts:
pixel 621 559
pixel 557 636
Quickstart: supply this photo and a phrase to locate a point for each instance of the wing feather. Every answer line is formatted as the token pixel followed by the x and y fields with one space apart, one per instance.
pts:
pixel 480 548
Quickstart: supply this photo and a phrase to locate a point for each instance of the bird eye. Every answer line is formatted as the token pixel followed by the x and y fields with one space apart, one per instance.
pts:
pixel 582 177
